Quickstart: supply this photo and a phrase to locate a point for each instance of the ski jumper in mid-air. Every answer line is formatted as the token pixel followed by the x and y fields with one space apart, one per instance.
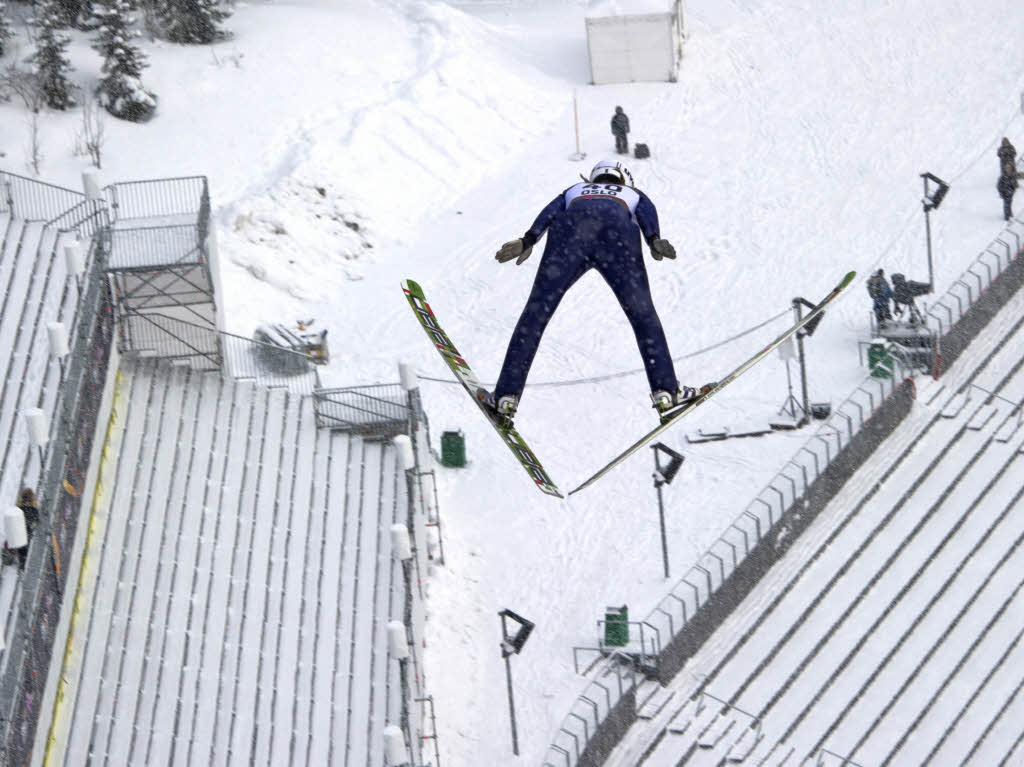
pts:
pixel 595 224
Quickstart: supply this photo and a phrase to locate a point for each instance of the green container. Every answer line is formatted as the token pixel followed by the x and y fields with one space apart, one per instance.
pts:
pixel 880 361
pixel 453 449
pixel 616 626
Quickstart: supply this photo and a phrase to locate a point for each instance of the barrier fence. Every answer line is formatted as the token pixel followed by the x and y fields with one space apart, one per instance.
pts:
pixel 148 334
pixel 159 198
pixel 29 653
pixel 33 200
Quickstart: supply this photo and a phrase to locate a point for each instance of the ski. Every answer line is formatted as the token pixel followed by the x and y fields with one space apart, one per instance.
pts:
pixel 693 405
pixel 466 377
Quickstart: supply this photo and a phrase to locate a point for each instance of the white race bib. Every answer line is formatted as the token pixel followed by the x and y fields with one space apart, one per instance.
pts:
pixel 589 190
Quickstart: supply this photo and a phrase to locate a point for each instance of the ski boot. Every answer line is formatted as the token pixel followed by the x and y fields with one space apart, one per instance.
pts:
pixel 502 410
pixel 667 405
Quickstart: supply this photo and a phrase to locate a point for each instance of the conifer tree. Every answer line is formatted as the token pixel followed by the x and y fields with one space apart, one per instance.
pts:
pixel 120 89
pixel 6 33
pixel 50 58
pixel 71 11
pixel 192 21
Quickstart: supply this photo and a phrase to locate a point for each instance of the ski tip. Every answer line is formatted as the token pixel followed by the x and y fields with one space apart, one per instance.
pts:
pixel 413 287
pixel 847 279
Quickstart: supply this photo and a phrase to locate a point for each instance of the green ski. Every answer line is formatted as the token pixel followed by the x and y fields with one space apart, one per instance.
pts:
pixel 694 404
pixel 465 376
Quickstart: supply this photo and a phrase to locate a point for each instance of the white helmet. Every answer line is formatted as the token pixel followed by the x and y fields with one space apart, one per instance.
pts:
pixel 613 169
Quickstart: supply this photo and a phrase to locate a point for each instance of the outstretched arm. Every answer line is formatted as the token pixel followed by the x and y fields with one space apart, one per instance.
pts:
pixel 520 249
pixel 543 221
pixel 647 218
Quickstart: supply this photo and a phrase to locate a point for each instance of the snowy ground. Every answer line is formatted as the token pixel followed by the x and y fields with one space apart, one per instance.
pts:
pixel 351 145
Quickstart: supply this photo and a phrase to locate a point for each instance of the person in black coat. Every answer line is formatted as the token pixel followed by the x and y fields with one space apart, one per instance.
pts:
pixel 881 293
pixel 1007 153
pixel 620 127
pixel 1007 185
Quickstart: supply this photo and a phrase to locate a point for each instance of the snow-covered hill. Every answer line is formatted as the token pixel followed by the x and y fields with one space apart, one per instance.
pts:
pixel 350 145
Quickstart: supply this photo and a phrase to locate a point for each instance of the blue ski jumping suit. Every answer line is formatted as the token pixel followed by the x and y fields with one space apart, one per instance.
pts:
pixel 591 226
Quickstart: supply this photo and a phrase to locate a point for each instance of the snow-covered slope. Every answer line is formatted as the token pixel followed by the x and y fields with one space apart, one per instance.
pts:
pixel 351 145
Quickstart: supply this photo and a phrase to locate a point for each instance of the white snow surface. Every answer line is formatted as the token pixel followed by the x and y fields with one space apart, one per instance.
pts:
pixel 351 145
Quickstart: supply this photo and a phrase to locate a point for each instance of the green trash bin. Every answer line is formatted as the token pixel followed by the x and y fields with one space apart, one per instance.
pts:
pixel 453 449
pixel 616 626
pixel 880 361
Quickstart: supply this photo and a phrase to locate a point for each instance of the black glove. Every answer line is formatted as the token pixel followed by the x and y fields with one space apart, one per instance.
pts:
pixel 662 249
pixel 513 249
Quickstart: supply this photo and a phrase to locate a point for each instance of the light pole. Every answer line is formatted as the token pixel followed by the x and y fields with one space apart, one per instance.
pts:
pixel 929 203
pixel 663 475
pixel 512 644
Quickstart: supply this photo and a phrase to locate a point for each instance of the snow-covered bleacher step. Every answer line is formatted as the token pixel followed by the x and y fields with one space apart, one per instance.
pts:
pixel 715 731
pixel 930 391
pixel 772 753
pixel 956 404
pixel 743 745
pixel 982 417
pixel 1009 426
pixel 683 717
pixel 652 699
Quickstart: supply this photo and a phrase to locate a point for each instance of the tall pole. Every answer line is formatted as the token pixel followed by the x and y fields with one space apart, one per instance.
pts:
pixel 661 516
pixel 576 120
pixel 803 365
pixel 579 155
pixel 511 706
pixel 663 475
pixel 928 231
pixel 512 644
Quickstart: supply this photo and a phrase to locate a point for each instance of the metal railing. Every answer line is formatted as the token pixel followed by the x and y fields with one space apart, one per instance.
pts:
pixel 159 198
pixel 148 334
pixel 380 410
pixel 611 681
pixel 155 246
pixel 33 200
pixel 975 280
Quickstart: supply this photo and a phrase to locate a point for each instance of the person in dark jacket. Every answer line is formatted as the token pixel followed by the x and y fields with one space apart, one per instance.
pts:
pixel 1007 153
pixel 1007 185
pixel 620 127
pixel 880 292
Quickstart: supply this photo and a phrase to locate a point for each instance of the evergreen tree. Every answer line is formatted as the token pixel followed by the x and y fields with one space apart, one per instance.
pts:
pixel 50 59
pixel 6 33
pixel 120 89
pixel 192 21
pixel 71 11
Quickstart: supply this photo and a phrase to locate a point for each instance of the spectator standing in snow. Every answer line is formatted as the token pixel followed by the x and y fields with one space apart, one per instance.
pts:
pixel 1007 153
pixel 881 293
pixel 620 127
pixel 1006 186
